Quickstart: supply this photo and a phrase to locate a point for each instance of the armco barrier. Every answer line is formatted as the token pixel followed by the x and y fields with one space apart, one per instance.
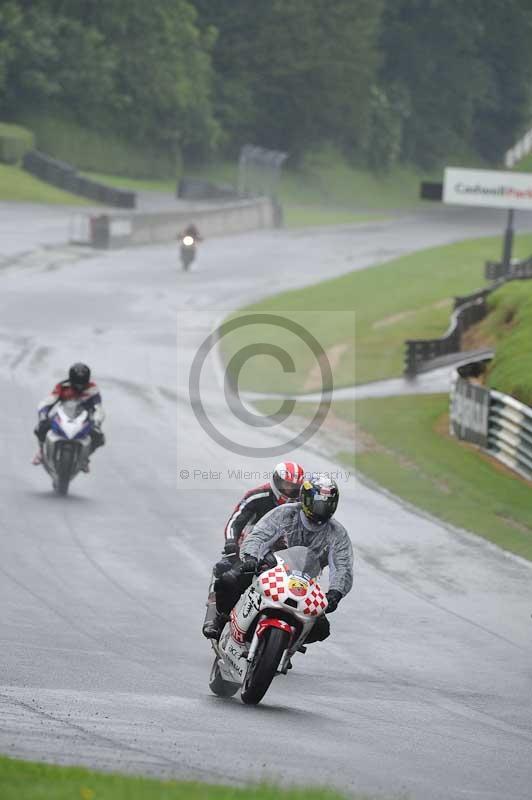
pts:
pixel 66 177
pixel 200 189
pixel 469 411
pixel 497 422
pixel 113 231
pixel 421 351
pixel 519 270
pixel 468 311
pixel 510 433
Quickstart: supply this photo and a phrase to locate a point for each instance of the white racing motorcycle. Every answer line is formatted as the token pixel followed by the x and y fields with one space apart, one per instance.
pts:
pixel 67 444
pixel 268 625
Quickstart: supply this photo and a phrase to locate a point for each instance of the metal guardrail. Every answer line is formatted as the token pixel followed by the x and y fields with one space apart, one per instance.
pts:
pixel 510 433
pixel 419 351
pixel 518 270
pixel 199 189
pixel 468 310
pixel 66 177
pixel 496 422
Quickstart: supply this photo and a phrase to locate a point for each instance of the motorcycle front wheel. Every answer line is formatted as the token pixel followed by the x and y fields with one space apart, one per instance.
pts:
pixel 262 670
pixel 218 686
pixel 64 471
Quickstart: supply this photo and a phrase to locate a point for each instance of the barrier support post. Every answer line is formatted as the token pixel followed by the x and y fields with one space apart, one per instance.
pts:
pixel 508 242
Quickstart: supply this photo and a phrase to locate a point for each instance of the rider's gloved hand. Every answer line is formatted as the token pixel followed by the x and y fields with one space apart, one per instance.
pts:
pixel 43 426
pixel 268 561
pixel 222 566
pixel 249 565
pixel 333 598
pixel 97 437
pixel 230 547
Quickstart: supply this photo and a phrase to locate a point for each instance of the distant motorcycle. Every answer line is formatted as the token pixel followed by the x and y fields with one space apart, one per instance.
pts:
pixel 188 251
pixel 67 444
pixel 268 625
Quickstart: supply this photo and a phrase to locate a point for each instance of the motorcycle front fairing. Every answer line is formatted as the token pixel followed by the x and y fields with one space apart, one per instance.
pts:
pixel 71 428
pixel 286 596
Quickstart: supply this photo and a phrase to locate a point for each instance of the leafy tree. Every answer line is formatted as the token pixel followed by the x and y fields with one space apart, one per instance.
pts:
pixel 137 69
pixel 463 67
pixel 163 72
pixel 294 73
pixel 506 110
pixel 432 50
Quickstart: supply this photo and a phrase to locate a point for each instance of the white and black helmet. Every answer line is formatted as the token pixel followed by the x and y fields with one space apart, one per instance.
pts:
pixel 319 498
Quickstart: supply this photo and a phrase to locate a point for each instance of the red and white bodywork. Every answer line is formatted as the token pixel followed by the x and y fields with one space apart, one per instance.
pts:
pixel 285 596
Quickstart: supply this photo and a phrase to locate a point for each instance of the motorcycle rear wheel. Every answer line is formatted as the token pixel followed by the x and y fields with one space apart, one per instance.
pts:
pixel 263 668
pixel 218 685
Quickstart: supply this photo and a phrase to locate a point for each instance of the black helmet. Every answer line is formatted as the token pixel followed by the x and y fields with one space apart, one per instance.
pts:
pixel 79 376
pixel 319 498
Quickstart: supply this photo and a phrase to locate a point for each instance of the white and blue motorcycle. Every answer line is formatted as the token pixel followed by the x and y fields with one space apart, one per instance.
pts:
pixel 67 444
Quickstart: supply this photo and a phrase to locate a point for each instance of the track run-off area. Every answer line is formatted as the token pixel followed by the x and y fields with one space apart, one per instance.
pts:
pixel 424 685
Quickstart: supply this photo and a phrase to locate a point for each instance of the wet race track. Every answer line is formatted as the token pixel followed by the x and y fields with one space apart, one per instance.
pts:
pixel 424 686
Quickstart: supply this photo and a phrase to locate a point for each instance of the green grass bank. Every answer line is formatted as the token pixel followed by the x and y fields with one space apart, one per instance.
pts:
pixel 17 185
pixel 302 215
pixel 508 327
pixel 409 451
pixel 403 444
pixel 23 780
pixel 363 318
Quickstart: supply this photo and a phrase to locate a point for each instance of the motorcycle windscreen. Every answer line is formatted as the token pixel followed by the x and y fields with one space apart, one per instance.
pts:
pixel 301 559
pixel 72 408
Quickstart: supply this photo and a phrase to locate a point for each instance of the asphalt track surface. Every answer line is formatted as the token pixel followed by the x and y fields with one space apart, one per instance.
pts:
pixel 424 686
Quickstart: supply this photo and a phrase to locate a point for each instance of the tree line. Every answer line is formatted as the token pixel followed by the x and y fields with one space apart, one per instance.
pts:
pixel 380 80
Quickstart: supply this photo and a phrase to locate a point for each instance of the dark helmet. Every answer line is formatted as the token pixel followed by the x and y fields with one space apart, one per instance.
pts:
pixel 79 376
pixel 319 498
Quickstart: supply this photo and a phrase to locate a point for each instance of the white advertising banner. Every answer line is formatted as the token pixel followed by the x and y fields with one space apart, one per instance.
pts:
pixel 484 187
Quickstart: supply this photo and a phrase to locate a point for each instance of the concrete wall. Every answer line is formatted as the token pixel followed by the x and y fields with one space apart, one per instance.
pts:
pixel 121 230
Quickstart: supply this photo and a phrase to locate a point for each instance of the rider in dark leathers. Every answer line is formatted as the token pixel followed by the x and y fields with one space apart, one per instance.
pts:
pixel 284 487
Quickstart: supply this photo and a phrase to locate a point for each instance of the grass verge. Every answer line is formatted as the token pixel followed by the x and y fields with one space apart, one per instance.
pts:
pixel 416 458
pixel 326 190
pixel 23 780
pixel 416 303
pixel 98 150
pixel 15 184
pixel 325 179
pixel 508 326
pixel 404 445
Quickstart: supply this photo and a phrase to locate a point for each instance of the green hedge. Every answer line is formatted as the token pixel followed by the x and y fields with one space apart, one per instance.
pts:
pixel 14 142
